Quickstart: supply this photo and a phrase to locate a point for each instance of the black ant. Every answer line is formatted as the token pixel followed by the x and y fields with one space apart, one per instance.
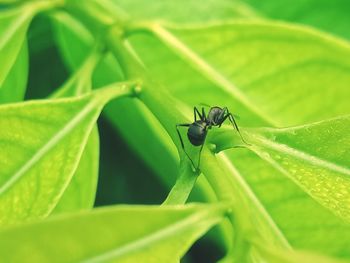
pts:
pixel 197 131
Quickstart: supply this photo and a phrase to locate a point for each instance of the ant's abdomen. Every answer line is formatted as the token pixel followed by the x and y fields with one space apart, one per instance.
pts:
pixel 196 133
pixel 196 141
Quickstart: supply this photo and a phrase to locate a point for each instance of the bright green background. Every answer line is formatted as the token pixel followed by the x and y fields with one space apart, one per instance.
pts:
pixel 283 68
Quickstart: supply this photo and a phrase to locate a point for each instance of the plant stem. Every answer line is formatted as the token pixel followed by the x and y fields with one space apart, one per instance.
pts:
pixel 183 186
pixel 117 89
pixel 199 64
pixel 115 39
pixel 227 187
pixel 39 6
pixel 153 95
pixel 158 101
pixel 80 82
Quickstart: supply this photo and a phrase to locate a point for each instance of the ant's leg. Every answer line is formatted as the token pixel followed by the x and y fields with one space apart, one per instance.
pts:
pixel 200 153
pixel 178 133
pixel 195 112
pixel 199 157
pixel 233 121
pixel 182 143
pixel 204 116
pixel 226 114
pixel 234 124
pixel 223 115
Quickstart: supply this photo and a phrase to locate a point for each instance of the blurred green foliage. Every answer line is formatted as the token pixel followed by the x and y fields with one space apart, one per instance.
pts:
pixel 266 60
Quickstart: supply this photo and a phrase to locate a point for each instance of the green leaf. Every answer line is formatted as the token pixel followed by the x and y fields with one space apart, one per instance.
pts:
pixel 14 85
pixel 14 23
pixel 266 73
pixel 277 256
pixel 13 27
pixel 81 191
pixel 44 58
pixel 184 184
pixel 315 157
pixel 332 16
pixel 253 68
pixel 75 41
pixel 41 143
pixel 158 234
pixel 302 170
pixel 235 57
pixel 170 11
pixel 72 36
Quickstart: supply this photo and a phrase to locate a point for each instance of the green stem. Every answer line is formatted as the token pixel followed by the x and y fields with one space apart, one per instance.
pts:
pixel 43 5
pixel 116 43
pixel 233 188
pixel 228 138
pixel 80 82
pixel 183 186
pixel 158 100
pixel 97 15
pixel 199 64
pixel 228 187
pixel 224 186
pixel 114 90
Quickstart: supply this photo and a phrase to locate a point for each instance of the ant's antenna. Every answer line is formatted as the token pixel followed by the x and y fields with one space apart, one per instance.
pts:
pixel 204 105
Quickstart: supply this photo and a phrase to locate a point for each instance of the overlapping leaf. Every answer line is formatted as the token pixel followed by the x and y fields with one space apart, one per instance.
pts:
pixel 236 58
pixel 75 42
pixel 194 12
pixel 41 143
pixel 269 72
pixel 265 73
pixel 332 16
pixel 296 164
pixel 13 27
pixel 14 85
pixel 314 156
pixel 159 234
pixel 81 191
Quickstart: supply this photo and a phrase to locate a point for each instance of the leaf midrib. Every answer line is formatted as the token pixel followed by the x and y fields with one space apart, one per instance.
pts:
pixel 156 237
pixel 12 30
pixel 268 221
pixel 4 41
pixel 309 158
pixel 47 147
pixel 207 70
